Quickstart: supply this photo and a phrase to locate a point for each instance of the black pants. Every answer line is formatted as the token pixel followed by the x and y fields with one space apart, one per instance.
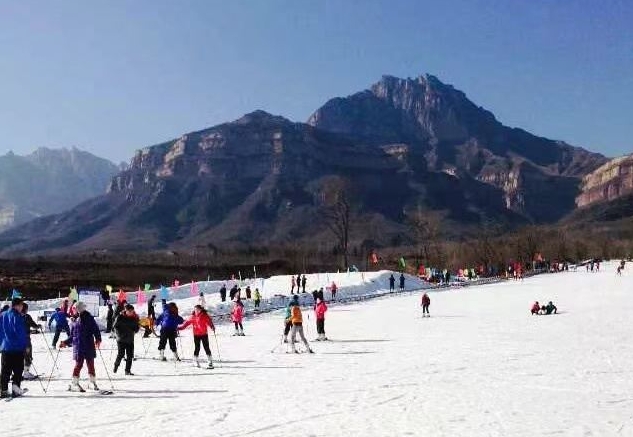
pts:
pixel 287 328
pixel 59 331
pixel 28 355
pixel 204 339
pixel 257 303
pixel 166 335
pixel 238 324
pixel 12 364
pixel 223 297
pixel 425 309
pixel 126 349
pixel 320 326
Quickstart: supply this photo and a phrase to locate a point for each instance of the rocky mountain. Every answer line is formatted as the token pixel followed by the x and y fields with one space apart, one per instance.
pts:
pixel 405 145
pixel 609 182
pixel 49 181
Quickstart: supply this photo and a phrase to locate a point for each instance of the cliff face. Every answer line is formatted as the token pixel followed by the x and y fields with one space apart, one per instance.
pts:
pixel 609 182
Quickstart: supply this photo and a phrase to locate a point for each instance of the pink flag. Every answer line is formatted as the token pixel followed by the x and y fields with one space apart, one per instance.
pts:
pixel 194 288
pixel 176 283
pixel 140 296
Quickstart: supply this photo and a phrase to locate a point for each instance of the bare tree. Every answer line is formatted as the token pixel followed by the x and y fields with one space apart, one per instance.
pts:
pixel 337 211
pixel 425 227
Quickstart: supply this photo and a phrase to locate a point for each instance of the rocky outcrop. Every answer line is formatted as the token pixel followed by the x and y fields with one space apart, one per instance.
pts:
pixel 49 181
pixel 609 182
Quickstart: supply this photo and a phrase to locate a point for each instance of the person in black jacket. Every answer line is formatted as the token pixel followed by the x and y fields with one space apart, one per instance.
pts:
pixel 151 316
pixel 109 318
pixel 125 327
pixel 223 293
pixel 28 353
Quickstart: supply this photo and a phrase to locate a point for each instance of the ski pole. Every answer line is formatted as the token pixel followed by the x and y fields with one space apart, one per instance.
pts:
pixel 106 369
pixel 50 351
pixel 217 347
pixel 38 378
pixel 52 370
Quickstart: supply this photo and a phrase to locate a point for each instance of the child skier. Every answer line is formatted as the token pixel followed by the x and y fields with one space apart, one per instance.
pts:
pixel 61 324
pixel 28 353
pixel 237 315
pixel 200 320
pixel 426 302
pixel 86 338
pixel 319 311
pixel 168 321
pixel 125 326
pixel 296 319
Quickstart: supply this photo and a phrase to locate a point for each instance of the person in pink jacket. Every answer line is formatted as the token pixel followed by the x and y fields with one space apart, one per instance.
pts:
pixel 237 315
pixel 319 311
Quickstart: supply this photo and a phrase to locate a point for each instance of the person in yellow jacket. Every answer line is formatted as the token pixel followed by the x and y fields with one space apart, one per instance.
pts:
pixel 296 318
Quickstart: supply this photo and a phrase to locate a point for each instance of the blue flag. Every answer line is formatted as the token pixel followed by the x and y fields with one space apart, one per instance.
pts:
pixel 15 294
pixel 164 293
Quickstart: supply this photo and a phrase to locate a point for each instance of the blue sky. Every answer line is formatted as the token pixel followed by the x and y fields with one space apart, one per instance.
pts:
pixel 113 76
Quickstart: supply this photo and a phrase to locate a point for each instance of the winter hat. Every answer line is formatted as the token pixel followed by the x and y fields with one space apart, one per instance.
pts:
pixel 16 301
pixel 81 307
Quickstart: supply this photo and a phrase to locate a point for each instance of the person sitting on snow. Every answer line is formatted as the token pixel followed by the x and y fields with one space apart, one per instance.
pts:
pixel 551 308
pixel 535 308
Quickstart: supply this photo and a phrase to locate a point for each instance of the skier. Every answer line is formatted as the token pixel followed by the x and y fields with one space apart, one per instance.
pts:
pixel 551 308
pixel 28 352
pixel 109 318
pixel 392 283
pixel 233 292
pixel 333 289
pixel 315 297
pixel 200 320
pixel 298 283
pixel 223 293
pixel 61 324
pixel 426 302
pixel 319 311
pixel 237 315
pixel 304 280
pixel 120 307
pixel 125 327
pixel 320 294
pixel 169 321
pixel 535 308
pixel 287 321
pixel 13 343
pixel 293 283
pixel 258 298
pixel 202 301
pixel 401 281
pixel 248 292
pixel 296 319
pixel 86 338
pixel 151 316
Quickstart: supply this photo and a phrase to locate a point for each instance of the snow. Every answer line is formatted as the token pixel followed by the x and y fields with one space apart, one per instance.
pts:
pixel 479 366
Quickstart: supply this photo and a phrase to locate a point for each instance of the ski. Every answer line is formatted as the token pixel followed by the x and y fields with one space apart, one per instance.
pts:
pixel 10 398
pixel 105 392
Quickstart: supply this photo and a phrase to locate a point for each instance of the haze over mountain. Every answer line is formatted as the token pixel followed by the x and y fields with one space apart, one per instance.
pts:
pixel 49 181
pixel 404 145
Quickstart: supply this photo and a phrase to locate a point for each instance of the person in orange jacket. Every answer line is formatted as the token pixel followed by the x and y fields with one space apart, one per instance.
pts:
pixel 426 302
pixel 296 318
pixel 201 320
pixel 319 311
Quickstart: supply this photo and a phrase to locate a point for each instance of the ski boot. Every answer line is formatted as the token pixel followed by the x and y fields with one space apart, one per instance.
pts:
pixel 93 381
pixel 176 357
pixel 162 355
pixel 128 373
pixel 16 391
pixel 210 365
pixel 74 385
pixel 4 394
pixel 116 367
pixel 196 362
pixel 241 333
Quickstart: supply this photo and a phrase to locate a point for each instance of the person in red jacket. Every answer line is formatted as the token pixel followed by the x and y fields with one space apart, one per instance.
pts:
pixel 535 308
pixel 319 311
pixel 237 315
pixel 426 302
pixel 200 320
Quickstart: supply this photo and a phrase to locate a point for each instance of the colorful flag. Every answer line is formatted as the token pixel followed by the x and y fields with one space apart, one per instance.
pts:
pixel 147 287
pixel 122 296
pixel 15 294
pixel 164 293
pixel 402 263
pixel 140 296
pixel 374 258
pixel 73 294
pixel 176 283
pixel 194 288
pixel 109 288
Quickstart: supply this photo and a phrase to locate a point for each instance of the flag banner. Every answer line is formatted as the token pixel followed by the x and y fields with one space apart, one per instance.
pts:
pixel 164 293
pixel 147 287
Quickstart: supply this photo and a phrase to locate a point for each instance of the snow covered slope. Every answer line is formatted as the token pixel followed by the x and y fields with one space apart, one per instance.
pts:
pixel 479 366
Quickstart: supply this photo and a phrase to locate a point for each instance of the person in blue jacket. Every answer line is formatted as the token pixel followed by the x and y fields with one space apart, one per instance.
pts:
pixel 169 321
pixel 61 325
pixel 13 343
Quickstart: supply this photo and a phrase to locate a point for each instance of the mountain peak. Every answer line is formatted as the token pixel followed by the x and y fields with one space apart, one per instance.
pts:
pixel 259 116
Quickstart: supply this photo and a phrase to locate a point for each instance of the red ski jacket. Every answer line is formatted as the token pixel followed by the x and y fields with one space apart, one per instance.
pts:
pixel 200 323
pixel 320 310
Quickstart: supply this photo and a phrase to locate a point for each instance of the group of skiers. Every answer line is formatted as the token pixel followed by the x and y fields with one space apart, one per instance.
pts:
pixel 392 282
pixel 548 309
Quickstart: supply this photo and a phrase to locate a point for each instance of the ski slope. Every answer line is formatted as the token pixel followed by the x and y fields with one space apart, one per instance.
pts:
pixel 479 366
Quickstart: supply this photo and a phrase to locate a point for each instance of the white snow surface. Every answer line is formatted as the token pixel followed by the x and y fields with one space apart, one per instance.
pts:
pixel 481 365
